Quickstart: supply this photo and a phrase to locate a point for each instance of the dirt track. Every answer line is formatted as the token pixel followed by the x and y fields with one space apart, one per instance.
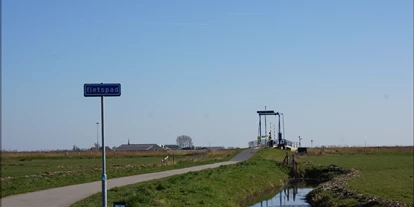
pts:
pixel 65 196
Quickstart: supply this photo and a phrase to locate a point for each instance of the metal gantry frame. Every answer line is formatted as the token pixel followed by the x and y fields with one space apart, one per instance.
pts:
pixel 270 113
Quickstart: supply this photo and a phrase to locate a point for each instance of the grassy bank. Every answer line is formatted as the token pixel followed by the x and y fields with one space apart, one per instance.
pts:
pixel 382 174
pixel 27 172
pixel 231 185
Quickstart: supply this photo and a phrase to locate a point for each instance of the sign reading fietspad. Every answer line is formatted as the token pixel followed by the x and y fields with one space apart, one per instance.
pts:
pixel 102 89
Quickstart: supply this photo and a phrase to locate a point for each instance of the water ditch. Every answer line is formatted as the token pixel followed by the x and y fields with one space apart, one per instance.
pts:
pixel 294 192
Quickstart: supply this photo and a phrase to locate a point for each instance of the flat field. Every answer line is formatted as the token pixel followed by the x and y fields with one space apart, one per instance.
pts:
pixel 26 172
pixel 385 172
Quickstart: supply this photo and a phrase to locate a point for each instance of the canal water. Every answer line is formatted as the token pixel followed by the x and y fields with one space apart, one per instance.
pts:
pixel 291 195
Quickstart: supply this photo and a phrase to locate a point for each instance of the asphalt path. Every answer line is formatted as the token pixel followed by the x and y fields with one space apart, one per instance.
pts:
pixel 65 196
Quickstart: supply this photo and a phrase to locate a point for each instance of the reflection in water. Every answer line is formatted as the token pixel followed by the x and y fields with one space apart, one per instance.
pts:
pixel 291 196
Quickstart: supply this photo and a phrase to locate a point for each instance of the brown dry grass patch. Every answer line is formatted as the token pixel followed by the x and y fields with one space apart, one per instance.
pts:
pixel 114 153
pixel 336 150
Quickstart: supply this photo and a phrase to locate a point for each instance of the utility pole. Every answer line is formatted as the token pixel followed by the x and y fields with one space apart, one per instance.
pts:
pixel 365 141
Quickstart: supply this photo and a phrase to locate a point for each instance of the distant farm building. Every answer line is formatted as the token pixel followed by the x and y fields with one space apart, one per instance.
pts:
pixel 140 147
pixel 216 148
pixel 107 149
pixel 94 149
pixel 188 148
pixel 171 147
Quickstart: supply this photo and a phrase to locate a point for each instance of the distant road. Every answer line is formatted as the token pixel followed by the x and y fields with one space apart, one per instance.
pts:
pixel 65 196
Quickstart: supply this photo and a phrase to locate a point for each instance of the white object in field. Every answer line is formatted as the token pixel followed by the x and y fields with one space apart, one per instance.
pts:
pixel 165 159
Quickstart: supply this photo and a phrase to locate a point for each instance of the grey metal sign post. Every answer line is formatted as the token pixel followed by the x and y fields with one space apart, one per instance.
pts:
pixel 101 90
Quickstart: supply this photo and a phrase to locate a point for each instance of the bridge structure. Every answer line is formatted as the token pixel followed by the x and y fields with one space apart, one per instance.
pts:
pixel 281 142
pixel 292 146
pixel 289 145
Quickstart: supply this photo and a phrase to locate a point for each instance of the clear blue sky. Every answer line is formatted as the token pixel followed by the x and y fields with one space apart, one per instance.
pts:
pixel 338 70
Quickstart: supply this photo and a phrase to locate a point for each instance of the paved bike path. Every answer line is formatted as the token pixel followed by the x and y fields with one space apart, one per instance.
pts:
pixel 65 196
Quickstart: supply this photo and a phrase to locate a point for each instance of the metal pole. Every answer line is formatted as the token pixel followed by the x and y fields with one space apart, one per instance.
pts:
pixel 365 141
pixel 97 133
pixel 279 125
pixel 258 132
pixel 265 124
pixel 103 156
pixel 283 123
pixel 279 133
pixel 260 126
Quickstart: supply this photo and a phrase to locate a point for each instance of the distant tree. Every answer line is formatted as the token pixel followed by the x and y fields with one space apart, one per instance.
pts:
pixel 75 148
pixel 184 141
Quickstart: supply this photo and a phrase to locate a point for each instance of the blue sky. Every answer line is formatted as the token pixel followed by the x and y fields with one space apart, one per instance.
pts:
pixel 338 70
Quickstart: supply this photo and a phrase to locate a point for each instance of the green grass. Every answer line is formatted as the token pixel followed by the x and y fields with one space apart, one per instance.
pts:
pixel 387 175
pixel 30 174
pixel 223 186
pixel 28 166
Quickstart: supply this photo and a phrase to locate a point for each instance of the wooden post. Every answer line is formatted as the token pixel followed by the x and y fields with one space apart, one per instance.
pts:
pixel 294 165
pixel 286 160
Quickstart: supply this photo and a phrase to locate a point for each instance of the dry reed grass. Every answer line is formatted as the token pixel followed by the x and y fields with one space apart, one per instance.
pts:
pixel 337 150
pixel 113 153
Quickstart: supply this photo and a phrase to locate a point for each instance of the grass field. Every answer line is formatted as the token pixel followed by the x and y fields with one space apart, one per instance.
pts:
pixel 224 186
pixel 27 172
pixel 383 172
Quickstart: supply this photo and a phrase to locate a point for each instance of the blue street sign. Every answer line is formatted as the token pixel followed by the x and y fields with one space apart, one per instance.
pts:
pixel 102 89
